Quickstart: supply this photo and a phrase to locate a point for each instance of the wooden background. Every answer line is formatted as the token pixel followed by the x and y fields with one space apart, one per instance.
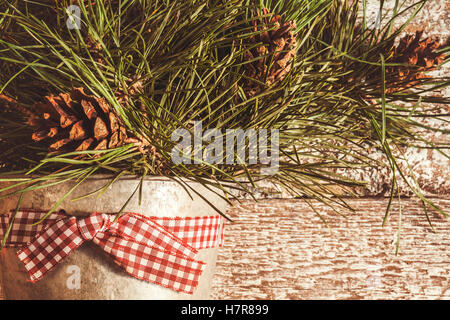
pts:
pixel 279 249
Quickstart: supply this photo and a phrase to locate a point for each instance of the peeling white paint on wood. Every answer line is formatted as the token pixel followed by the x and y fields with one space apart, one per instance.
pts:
pixel 279 249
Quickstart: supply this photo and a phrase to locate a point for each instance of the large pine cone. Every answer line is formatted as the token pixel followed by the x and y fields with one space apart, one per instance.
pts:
pixel 422 55
pixel 277 48
pixel 79 122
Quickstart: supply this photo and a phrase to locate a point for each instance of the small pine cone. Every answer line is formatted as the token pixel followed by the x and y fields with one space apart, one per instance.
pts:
pixel 422 55
pixel 79 122
pixel 277 49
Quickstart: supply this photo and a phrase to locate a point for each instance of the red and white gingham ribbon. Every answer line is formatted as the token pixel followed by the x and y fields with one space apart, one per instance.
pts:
pixel 158 250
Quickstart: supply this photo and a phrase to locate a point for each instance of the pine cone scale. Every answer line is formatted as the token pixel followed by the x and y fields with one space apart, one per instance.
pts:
pixel 100 129
pixel 66 119
pixel 89 109
pixel 77 132
pixel 102 145
pixel 113 122
pixel 59 144
pixel 40 135
pixel 114 140
pixel 85 145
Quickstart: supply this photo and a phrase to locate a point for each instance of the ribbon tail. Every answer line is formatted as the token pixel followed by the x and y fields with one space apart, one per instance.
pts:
pixel 199 232
pixel 152 264
pixel 23 227
pixel 50 248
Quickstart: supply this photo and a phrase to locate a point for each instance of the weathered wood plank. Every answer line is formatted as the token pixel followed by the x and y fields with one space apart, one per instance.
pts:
pixel 279 249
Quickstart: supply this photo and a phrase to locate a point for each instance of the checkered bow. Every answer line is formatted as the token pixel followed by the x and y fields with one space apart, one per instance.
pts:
pixel 158 250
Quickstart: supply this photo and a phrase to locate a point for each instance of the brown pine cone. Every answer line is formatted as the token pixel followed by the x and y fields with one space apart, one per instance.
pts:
pixel 422 55
pixel 277 48
pixel 79 122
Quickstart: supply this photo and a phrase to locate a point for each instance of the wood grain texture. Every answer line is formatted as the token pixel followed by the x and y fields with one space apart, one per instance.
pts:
pixel 279 249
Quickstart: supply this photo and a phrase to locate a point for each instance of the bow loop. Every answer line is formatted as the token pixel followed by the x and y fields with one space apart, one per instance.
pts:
pixel 95 223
